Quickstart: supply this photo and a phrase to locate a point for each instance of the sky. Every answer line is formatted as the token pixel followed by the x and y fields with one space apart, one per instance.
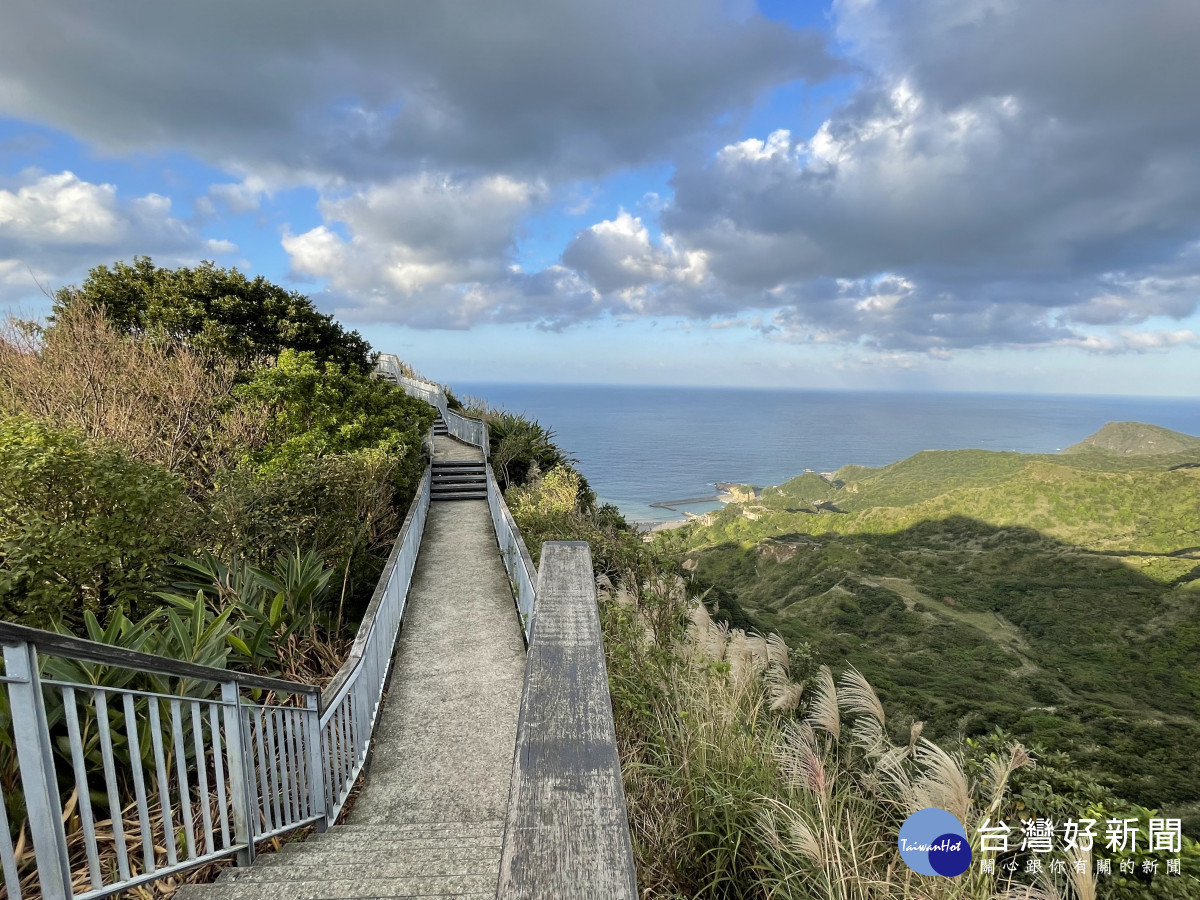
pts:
pixel 983 195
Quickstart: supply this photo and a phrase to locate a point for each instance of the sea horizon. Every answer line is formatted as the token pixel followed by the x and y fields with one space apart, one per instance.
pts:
pixel 643 444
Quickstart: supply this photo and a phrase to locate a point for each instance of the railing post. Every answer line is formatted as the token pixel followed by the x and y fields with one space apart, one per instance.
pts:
pixel 240 795
pixel 31 734
pixel 316 756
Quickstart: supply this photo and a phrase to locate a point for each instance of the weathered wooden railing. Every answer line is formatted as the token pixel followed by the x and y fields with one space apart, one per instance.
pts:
pixel 208 761
pixel 567 835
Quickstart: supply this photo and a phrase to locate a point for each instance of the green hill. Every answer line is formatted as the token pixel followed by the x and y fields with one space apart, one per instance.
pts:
pixel 1057 596
pixel 1137 439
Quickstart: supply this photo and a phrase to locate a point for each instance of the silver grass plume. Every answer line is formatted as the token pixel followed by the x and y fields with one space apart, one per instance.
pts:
pixel 858 699
pixel 823 712
pixel 777 652
pixel 1001 769
pixel 783 693
pixel 786 697
pixel 942 783
pixel 801 760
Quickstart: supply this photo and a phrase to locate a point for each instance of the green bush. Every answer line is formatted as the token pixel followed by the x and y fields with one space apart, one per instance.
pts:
pixel 319 409
pixel 217 311
pixel 82 526
pixel 341 507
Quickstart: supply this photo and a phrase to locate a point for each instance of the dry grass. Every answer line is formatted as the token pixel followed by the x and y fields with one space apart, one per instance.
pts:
pixel 162 403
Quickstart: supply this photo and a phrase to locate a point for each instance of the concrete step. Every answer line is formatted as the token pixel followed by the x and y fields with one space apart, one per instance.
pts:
pixel 316 855
pixel 364 887
pixel 457 463
pixel 458 477
pixel 401 864
pixel 474 495
pixel 415 829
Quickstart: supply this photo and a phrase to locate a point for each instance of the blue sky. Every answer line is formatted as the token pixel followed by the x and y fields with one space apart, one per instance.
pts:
pixel 913 194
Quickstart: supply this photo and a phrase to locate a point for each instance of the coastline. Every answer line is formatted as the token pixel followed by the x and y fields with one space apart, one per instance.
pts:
pixel 727 492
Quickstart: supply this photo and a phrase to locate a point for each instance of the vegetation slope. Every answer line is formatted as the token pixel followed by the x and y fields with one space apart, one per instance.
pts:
pixel 1056 597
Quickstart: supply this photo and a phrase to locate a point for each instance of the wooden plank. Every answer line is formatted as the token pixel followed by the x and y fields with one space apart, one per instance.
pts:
pixel 567 835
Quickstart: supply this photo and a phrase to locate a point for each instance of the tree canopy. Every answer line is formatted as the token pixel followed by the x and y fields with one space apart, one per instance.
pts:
pixel 215 310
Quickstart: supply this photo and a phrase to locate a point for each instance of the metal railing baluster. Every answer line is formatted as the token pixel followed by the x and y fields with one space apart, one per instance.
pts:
pixel 79 767
pixel 202 777
pixel 316 772
pixel 185 788
pixel 8 857
pixel 240 772
pixel 139 782
pixel 260 763
pixel 31 736
pixel 214 729
pixel 271 762
pixel 115 812
pixel 164 784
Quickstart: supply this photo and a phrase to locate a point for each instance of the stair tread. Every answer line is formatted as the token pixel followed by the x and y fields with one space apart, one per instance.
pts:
pixel 482 885
pixel 485 861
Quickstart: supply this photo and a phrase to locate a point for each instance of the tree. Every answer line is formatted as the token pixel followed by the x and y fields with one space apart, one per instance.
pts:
pixel 215 310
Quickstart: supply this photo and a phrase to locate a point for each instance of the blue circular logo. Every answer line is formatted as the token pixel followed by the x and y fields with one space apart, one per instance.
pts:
pixel 933 842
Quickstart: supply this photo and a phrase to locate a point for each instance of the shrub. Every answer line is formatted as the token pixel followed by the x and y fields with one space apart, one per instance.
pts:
pixel 340 507
pixel 82 526
pixel 317 409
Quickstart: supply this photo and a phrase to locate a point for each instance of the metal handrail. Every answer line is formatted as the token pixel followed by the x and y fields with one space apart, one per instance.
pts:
pixel 522 573
pixel 469 429
pixel 67 645
pixel 207 771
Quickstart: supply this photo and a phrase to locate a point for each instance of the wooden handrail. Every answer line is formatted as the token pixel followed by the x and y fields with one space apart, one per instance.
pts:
pixel 567 834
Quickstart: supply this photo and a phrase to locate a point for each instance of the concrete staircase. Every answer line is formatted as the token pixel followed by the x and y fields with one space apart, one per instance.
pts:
pixel 458 480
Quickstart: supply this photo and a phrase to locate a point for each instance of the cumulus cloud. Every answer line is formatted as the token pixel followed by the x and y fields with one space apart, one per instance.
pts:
pixel 238 197
pixel 617 256
pixel 54 226
pixel 425 249
pixel 370 90
pixel 1008 173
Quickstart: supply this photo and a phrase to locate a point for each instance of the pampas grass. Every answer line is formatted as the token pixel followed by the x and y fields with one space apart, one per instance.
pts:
pixel 742 782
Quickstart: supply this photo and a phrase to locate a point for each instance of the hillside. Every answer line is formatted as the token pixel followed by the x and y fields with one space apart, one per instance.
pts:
pixel 1137 439
pixel 1055 596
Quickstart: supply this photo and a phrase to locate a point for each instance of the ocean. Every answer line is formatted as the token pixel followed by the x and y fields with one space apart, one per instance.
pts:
pixel 641 445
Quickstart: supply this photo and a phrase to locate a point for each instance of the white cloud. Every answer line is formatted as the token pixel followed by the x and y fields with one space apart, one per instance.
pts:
pixel 238 197
pixel 53 227
pixel 617 255
pixel 425 248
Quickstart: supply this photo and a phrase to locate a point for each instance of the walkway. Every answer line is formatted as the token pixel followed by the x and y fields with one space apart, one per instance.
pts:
pixel 430 819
